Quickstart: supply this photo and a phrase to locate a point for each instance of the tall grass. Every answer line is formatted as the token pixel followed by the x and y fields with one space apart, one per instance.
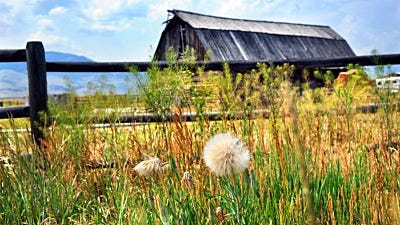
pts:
pixel 325 164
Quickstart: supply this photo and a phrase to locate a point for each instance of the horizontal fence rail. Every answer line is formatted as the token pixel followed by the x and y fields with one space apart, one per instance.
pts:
pixel 23 112
pixel 18 55
pixel 366 60
pixel 14 112
pixel 171 117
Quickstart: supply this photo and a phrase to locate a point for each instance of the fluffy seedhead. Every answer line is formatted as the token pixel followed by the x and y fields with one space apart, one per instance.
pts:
pixel 150 166
pixel 187 180
pixel 225 154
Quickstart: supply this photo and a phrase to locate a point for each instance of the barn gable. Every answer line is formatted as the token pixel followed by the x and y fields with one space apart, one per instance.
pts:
pixel 234 39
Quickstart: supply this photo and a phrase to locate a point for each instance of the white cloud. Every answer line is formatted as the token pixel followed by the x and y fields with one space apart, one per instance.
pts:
pixel 46 32
pixel 48 39
pixel 18 5
pixel 57 11
pixel 17 21
pixel 102 15
pixel 231 8
pixel 14 9
pixel 245 9
pixel 102 9
pixel 111 26
pixel 158 10
pixel 45 23
pixel 98 9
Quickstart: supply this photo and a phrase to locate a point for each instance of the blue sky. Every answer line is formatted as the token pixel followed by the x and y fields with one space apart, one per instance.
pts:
pixel 129 30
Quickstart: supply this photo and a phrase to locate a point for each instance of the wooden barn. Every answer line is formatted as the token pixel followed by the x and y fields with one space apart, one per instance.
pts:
pixel 226 39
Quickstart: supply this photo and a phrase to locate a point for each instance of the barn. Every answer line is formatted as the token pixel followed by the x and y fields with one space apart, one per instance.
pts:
pixel 227 39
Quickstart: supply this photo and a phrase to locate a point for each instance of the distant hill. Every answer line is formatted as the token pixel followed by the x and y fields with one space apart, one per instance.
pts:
pixel 14 80
pixel 20 67
pixel 65 57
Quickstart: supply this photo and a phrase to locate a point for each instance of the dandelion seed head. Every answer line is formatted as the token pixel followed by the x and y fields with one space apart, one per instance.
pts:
pixel 150 166
pixel 225 154
pixel 187 180
pixel 187 176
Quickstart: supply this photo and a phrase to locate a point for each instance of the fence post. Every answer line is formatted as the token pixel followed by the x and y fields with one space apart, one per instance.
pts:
pixel 36 65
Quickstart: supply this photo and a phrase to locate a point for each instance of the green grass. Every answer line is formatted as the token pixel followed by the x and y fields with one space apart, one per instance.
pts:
pixel 351 176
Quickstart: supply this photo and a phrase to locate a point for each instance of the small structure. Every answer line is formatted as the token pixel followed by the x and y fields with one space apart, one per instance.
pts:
pixel 391 82
pixel 226 39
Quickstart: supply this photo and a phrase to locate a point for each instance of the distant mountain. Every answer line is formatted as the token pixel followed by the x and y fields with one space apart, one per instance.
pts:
pixel 65 57
pixel 13 83
pixel 14 80
pixel 20 67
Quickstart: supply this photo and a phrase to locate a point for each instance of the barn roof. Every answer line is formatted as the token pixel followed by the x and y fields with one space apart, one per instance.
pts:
pixel 200 21
pixel 236 39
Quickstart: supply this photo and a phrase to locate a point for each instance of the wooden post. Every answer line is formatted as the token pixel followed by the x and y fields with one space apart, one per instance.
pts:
pixel 36 65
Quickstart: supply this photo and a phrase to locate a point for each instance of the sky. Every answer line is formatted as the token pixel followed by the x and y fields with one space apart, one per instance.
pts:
pixel 129 30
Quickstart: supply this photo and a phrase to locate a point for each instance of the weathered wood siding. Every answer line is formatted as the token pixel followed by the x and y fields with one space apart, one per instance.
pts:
pixel 172 37
pixel 239 45
pixel 236 40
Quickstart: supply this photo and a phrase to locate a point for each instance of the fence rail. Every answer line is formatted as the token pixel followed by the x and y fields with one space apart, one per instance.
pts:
pixel 14 112
pixel 12 55
pixel 366 60
pixel 37 67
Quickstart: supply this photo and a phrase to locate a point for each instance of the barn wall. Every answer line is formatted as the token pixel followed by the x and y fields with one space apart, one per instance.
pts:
pixel 193 42
pixel 171 37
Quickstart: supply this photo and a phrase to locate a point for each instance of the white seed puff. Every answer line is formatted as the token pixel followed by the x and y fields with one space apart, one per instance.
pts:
pixel 225 154
pixel 150 166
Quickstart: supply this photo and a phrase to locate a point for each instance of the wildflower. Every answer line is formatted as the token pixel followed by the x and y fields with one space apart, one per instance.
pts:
pixel 187 180
pixel 150 166
pixel 225 154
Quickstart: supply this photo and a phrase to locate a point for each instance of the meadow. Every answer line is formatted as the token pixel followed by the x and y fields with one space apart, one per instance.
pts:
pixel 315 159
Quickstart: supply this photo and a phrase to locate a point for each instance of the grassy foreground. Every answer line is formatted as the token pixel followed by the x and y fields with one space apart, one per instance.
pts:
pixel 320 162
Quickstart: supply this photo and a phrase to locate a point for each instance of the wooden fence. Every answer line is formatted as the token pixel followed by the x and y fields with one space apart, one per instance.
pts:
pixel 37 67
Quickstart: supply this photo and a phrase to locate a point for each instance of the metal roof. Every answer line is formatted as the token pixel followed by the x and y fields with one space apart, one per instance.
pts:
pixel 200 21
pixel 239 45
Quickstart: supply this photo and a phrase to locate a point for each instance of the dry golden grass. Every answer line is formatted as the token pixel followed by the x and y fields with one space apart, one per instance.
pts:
pixel 350 163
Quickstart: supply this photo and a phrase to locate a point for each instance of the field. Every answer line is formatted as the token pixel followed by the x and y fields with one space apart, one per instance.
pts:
pixel 316 158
